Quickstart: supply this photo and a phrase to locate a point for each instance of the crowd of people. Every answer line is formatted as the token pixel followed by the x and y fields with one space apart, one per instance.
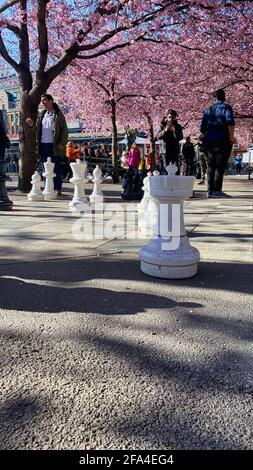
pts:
pixel 210 153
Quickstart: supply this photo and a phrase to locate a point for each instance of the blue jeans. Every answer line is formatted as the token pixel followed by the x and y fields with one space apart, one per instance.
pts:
pixel 47 150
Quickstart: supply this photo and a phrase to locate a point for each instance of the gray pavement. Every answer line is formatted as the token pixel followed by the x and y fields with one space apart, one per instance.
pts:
pixel 96 355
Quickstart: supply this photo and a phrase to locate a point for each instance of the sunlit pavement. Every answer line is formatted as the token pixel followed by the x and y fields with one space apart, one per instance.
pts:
pixel 96 355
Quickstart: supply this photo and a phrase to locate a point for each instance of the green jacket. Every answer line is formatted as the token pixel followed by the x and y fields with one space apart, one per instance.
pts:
pixel 60 131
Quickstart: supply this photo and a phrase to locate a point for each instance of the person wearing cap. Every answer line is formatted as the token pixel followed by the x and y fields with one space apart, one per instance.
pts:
pixel 170 134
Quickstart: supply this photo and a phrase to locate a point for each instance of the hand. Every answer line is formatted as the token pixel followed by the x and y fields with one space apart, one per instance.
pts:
pixel 29 121
pixel 232 140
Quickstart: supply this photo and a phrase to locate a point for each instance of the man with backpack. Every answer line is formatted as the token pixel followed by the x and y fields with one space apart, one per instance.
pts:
pixel 217 131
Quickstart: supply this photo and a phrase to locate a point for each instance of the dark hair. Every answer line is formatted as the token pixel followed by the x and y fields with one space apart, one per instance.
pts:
pixel 47 96
pixel 172 112
pixel 219 95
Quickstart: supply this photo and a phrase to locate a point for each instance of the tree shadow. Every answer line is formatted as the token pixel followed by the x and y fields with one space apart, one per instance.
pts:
pixel 18 413
pixel 225 276
pixel 36 295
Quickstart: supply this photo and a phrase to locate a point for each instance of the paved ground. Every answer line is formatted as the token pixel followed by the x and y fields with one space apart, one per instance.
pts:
pixel 96 355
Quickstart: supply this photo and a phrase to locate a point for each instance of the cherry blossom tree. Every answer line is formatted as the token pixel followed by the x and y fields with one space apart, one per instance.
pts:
pixel 40 39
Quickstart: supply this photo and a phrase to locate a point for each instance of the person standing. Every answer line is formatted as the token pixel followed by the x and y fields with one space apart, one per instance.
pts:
pixel 202 160
pixel 217 131
pixel 238 164
pixel 170 134
pixel 52 135
pixel 134 157
pixel 189 156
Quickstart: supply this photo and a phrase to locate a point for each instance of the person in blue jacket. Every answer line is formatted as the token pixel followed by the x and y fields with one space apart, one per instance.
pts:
pixel 238 164
pixel 217 132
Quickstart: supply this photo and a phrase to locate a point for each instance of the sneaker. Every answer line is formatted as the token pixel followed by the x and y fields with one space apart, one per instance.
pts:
pixel 221 194
pixel 209 195
pixel 58 193
pixel 201 182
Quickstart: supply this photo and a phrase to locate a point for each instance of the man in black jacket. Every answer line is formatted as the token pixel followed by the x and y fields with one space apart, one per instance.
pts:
pixel 170 135
pixel 189 156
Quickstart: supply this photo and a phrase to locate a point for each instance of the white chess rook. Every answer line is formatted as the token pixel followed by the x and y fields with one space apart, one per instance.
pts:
pixel 169 254
pixel 97 195
pixel 35 193
pixel 78 179
pixel 49 174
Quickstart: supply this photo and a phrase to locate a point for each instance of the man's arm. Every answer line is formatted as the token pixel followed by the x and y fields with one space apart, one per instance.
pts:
pixel 231 130
pixel 230 123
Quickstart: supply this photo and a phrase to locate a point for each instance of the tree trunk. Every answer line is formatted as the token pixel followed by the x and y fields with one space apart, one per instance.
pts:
pixel 27 143
pixel 152 141
pixel 115 172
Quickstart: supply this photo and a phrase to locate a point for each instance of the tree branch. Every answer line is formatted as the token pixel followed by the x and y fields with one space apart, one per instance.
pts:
pixel 15 29
pixel 130 95
pixel 24 39
pixel 4 53
pixel 140 20
pixel 42 34
pixel 103 51
pixel 100 85
pixel 8 4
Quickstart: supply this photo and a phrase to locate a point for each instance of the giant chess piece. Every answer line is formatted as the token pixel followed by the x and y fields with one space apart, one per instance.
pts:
pixel 97 195
pixel 79 201
pixel 132 186
pixel 169 254
pixel 35 193
pixel 49 192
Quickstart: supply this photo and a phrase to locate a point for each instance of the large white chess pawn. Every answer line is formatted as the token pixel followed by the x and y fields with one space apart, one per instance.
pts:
pixel 49 174
pixel 35 193
pixel 78 180
pixel 97 195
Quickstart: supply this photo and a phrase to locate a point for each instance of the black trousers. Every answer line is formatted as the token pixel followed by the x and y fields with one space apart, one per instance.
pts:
pixel 217 159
